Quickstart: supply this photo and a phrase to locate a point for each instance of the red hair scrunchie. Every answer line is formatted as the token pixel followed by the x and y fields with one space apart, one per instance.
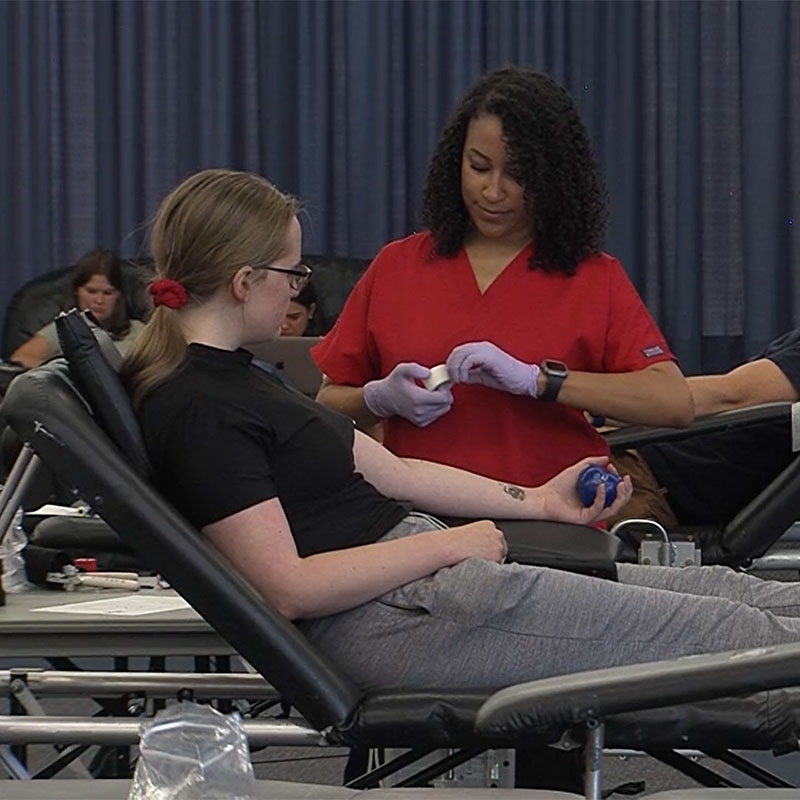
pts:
pixel 167 292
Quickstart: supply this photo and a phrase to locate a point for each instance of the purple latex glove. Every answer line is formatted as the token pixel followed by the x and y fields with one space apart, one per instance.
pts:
pixel 488 365
pixel 399 394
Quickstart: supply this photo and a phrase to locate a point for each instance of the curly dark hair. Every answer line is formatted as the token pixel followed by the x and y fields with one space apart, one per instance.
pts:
pixel 549 154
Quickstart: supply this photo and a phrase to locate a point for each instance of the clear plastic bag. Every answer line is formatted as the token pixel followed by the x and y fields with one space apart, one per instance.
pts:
pixel 15 578
pixel 193 752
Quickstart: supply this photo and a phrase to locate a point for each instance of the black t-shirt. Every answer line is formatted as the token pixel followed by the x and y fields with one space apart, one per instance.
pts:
pixel 225 435
pixel 710 478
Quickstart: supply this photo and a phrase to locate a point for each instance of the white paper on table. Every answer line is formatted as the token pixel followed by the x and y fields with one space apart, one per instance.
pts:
pixel 50 510
pixel 134 606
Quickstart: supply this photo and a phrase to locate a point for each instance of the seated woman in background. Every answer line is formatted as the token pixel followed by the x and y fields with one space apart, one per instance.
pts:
pixel 299 319
pixel 95 286
pixel 316 514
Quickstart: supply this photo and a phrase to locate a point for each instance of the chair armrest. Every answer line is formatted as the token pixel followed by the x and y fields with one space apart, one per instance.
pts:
pixel 639 435
pixel 546 707
pixel 560 545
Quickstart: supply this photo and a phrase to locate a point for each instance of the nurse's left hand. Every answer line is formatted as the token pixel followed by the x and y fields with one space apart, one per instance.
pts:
pixel 486 364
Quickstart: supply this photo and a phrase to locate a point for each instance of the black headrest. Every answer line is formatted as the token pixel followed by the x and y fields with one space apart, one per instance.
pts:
pixel 90 353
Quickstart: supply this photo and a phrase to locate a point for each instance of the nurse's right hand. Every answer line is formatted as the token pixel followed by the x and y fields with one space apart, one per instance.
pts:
pixel 400 394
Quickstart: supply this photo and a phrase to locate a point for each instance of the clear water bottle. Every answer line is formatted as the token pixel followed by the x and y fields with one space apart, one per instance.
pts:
pixel 15 579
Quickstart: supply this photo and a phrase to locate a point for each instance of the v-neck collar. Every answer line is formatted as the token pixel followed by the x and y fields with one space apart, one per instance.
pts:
pixel 511 267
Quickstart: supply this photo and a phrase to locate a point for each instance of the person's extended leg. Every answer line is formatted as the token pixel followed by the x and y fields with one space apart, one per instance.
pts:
pixel 781 598
pixel 486 625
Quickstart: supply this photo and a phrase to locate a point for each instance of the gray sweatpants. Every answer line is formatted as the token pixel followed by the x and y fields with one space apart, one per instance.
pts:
pixel 485 625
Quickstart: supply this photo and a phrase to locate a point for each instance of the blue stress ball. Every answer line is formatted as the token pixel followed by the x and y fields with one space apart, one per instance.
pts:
pixel 588 481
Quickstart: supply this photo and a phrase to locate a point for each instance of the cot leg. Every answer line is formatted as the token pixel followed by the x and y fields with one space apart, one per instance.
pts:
pixel 29 704
pixel 21 474
pixel 595 735
pixel 14 767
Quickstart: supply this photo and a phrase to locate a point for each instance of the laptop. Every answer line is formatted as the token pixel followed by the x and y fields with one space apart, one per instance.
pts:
pixel 290 357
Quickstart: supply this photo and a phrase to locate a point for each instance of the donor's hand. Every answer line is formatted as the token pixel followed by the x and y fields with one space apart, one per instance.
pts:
pixel 480 539
pixel 561 500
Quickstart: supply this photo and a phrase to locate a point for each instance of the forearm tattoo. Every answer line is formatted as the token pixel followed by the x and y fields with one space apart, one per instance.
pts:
pixel 513 491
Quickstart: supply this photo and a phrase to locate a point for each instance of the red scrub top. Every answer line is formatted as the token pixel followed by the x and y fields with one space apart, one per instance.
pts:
pixel 411 305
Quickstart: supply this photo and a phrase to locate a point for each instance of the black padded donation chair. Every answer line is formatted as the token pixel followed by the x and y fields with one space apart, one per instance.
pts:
pixel 709 703
pixel 757 527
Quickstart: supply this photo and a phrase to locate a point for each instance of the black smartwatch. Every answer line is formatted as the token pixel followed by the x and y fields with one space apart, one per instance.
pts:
pixel 555 372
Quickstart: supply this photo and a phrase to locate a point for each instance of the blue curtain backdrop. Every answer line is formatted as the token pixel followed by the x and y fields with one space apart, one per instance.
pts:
pixel 694 108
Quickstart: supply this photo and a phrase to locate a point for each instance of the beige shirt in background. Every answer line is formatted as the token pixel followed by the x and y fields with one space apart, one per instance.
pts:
pixel 123 345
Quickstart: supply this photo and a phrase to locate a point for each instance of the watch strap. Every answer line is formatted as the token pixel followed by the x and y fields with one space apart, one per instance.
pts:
pixel 552 384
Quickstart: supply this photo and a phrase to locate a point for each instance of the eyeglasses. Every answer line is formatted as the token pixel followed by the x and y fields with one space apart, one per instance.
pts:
pixel 299 275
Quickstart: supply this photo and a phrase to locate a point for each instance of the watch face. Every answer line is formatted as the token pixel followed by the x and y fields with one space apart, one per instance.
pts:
pixel 554 367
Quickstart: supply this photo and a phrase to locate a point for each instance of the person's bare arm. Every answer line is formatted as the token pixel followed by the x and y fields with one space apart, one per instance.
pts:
pixel 259 544
pixel 33 352
pixel 347 400
pixel 656 395
pixel 441 489
pixel 750 384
